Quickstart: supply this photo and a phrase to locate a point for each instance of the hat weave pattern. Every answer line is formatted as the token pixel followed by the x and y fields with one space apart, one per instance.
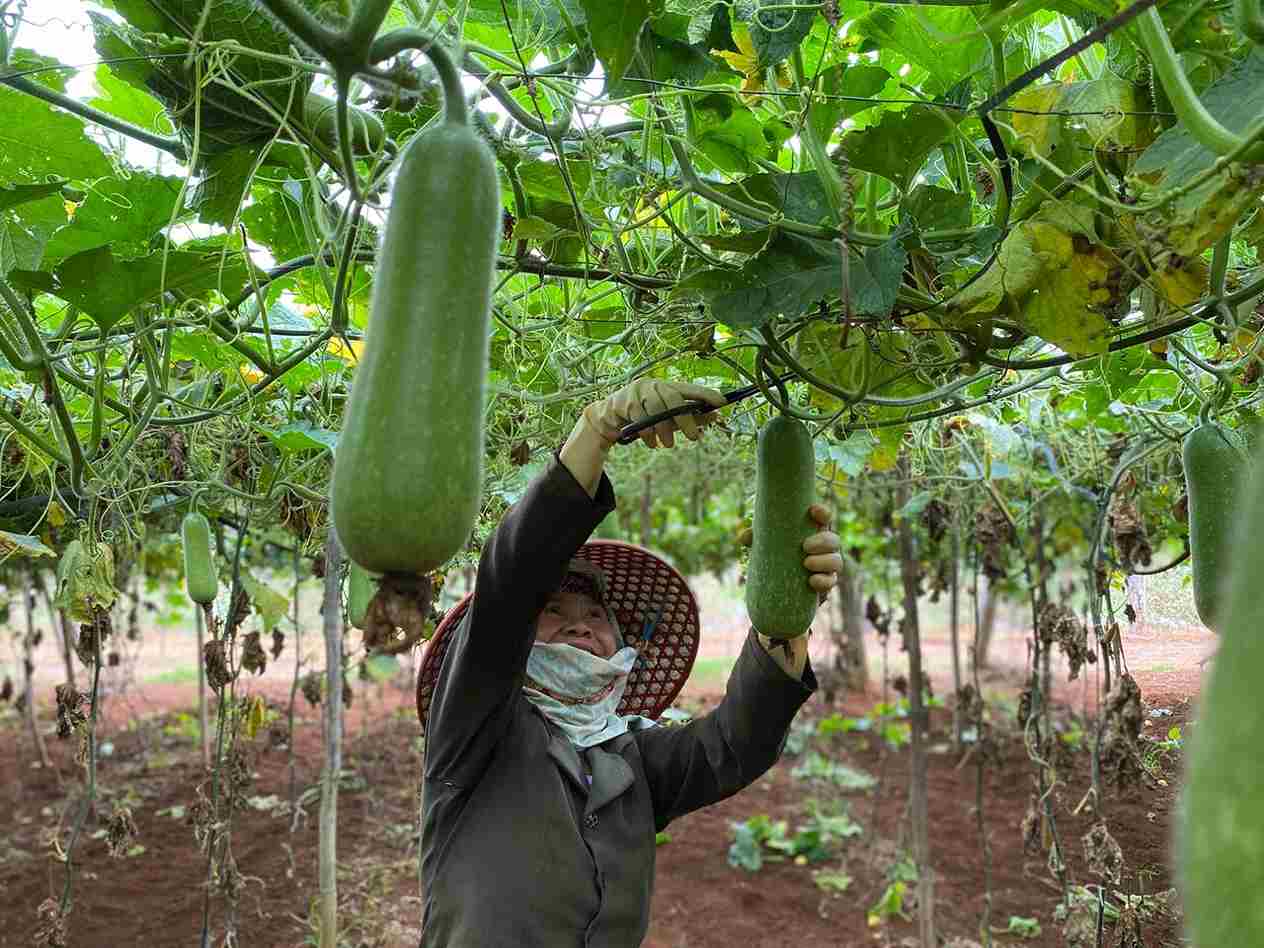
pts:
pixel 640 584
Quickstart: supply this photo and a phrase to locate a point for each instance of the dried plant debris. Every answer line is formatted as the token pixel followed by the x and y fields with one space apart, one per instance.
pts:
pixel 177 455
pixel 1031 825
pixel 201 816
pixel 313 687
pixel 935 518
pixel 1129 532
pixel 6 690
pixel 239 610
pixel 70 716
pixel 1103 854
pixel 400 614
pixel 51 932
pixel 993 532
pixel 215 658
pixel 120 831
pixel 1120 751
pixel 881 621
pixel 93 635
pixel 278 643
pixel 1059 624
pixel 253 657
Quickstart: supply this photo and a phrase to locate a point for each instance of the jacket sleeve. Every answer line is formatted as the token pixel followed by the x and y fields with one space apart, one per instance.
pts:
pixel 521 565
pixel 718 754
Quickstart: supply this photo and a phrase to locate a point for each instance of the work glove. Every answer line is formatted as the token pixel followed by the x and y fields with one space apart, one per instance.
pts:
pixel 646 397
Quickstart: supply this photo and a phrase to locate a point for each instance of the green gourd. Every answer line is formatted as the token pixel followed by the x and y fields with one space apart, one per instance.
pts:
pixel 361 587
pixel 1220 842
pixel 779 600
pixel 321 116
pixel 408 468
pixel 1214 458
pixel 199 574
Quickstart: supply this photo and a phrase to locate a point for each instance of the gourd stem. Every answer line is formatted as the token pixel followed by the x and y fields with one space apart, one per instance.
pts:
pixel 1190 110
pixel 395 42
pixel 850 397
pixel 1250 19
pixel 365 21
pixel 323 39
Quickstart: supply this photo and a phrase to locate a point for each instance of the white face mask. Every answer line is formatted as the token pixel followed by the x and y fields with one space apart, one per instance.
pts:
pixel 579 692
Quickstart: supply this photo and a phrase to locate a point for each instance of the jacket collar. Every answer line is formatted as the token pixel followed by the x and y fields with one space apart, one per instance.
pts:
pixel 612 775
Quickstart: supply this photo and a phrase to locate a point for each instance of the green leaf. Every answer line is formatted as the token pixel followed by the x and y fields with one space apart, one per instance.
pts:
pixel 727 133
pixel 124 212
pixel 777 33
pixel 301 436
pixel 670 58
pixel 122 99
pixel 22 544
pixel 224 185
pixel 277 223
pixel 107 288
pixel 40 141
pixel 859 80
pixel 791 275
pixel 615 29
pixel 797 196
pixel 271 605
pixel 14 195
pixel 921 32
pixel 898 146
pixel 935 208
pixel 25 230
pixel 1236 100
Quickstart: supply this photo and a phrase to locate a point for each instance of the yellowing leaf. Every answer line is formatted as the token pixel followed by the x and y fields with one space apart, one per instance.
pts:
pixel 348 351
pixel 1038 133
pixel 1065 308
pixel 56 515
pixel 1184 285
pixel 255 717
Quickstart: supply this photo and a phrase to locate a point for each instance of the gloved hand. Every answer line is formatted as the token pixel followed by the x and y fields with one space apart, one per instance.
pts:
pixel 646 397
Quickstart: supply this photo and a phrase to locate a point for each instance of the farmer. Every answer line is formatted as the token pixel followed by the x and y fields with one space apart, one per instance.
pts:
pixel 545 775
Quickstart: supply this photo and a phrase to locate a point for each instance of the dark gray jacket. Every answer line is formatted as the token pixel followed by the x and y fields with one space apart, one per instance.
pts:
pixel 517 848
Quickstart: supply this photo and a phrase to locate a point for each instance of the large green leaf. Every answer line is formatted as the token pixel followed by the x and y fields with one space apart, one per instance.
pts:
pixel 791 275
pixel 13 195
pixel 1236 100
pixel 798 196
pixel 728 134
pixel 107 288
pixel 854 81
pixel 900 143
pixel 615 29
pixel 927 36
pixel 124 212
pixel 121 98
pixel 777 32
pixel 38 140
pixel 25 230
pixel 224 185
pixel 669 55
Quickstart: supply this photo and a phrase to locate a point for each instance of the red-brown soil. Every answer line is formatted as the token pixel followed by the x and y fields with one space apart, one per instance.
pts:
pixel 155 898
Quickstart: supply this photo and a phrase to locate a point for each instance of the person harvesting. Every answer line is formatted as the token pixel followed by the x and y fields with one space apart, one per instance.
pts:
pixel 546 776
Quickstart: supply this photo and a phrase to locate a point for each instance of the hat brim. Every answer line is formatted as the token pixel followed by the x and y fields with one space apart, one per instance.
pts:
pixel 639 584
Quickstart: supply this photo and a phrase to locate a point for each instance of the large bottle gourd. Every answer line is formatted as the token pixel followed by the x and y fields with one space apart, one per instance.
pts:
pixel 779 601
pixel 409 464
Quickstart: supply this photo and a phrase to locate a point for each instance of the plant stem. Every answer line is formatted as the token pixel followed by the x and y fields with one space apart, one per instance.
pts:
pixel 172 146
pixel 1191 112
pixel 333 743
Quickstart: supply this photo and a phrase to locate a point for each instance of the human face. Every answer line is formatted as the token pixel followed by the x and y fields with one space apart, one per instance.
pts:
pixel 572 618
